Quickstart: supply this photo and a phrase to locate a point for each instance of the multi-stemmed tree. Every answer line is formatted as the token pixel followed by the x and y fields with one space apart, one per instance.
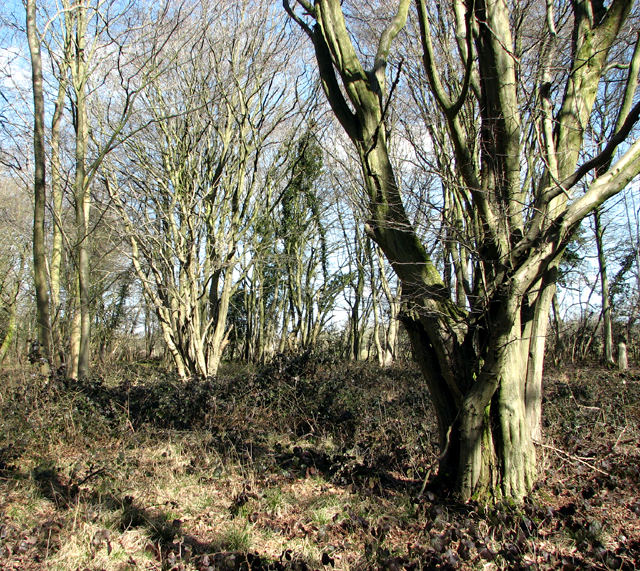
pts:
pixel 207 167
pixel 529 78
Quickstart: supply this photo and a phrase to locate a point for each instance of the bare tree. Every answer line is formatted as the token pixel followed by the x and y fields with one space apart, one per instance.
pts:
pixel 483 362
pixel 193 184
pixel 39 252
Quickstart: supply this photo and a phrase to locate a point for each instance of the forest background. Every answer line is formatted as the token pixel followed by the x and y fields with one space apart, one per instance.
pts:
pixel 192 202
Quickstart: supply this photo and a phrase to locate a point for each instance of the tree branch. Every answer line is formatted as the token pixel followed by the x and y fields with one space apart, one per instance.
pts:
pixel 297 19
pixel 632 82
pixel 602 157
pixel 390 33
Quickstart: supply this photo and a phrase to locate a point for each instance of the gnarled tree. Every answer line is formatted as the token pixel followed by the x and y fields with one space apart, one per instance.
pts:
pixel 483 361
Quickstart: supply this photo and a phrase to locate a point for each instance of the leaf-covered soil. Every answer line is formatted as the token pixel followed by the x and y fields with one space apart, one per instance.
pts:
pixel 303 464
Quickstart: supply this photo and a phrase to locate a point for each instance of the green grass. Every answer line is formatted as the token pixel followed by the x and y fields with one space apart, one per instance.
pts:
pixel 237 538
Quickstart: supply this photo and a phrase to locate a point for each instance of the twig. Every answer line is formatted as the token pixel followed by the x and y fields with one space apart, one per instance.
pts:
pixel 620 437
pixel 91 475
pixel 588 407
pixel 439 458
pixel 572 457
pixel 128 415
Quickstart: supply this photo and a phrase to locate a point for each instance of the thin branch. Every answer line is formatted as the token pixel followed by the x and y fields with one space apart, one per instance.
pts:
pixel 572 457
pixel 297 19
pixel 440 457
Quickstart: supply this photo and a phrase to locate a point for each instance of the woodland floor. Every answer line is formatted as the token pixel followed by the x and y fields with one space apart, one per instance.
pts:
pixel 301 465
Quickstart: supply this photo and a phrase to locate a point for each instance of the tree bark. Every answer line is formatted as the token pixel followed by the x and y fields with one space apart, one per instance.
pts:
pixel 535 336
pixel 375 308
pixel 623 362
pixel 604 283
pixel 12 306
pixel 395 302
pixel 56 194
pixel 82 195
pixel 74 332
pixel 57 187
pixel 43 318
pixel 220 336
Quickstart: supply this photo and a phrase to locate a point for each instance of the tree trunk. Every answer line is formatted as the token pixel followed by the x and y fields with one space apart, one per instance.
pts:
pixel 376 322
pixel 56 194
pixel 262 326
pixel 490 446
pixel 39 257
pixel 81 194
pixel 220 337
pixel 395 302
pixel 11 326
pixel 57 189
pixel 604 282
pixel 285 323
pixel 535 335
pixel 354 322
pixel 8 337
pixel 623 362
pixel 74 334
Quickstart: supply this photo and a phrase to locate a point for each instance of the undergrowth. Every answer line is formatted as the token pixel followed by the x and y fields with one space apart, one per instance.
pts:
pixel 302 464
